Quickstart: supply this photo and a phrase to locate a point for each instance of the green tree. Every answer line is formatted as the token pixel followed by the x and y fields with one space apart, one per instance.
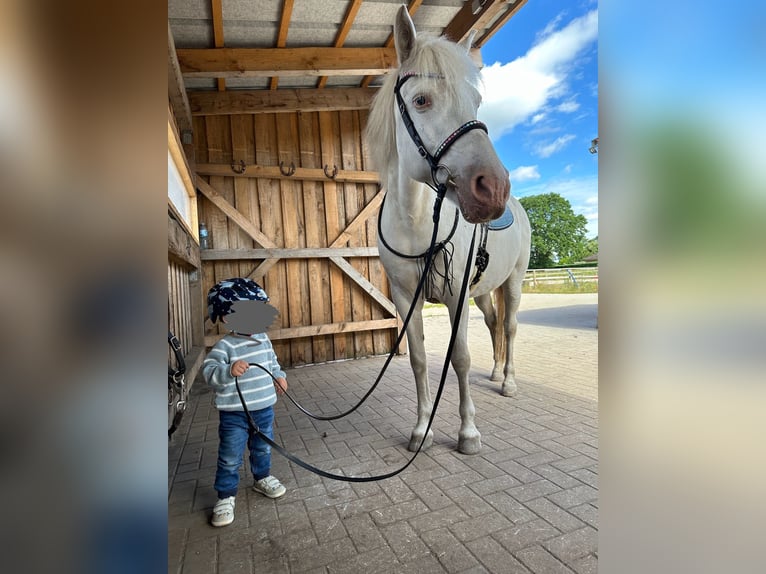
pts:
pixel 558 234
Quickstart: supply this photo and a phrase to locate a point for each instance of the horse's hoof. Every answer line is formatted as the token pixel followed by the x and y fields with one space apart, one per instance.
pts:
pixel 470 445
pixel 497 375
pixel 415 442
pixel 509 389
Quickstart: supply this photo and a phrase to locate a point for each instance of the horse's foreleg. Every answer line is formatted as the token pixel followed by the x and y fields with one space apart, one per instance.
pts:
pixel 419 364
pixel 469 438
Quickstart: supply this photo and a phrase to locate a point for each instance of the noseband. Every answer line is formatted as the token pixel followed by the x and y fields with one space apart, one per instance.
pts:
pixel 432 159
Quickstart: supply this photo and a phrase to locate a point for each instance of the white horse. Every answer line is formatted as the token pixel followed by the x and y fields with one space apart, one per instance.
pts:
pixel 422 128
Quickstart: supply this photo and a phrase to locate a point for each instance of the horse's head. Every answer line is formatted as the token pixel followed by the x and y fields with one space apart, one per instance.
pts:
pixel 437 136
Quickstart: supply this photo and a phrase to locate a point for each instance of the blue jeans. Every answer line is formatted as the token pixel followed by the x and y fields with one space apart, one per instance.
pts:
pixel 233 434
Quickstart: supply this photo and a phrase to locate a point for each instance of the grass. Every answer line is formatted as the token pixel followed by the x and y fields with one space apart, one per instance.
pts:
pixel 564 288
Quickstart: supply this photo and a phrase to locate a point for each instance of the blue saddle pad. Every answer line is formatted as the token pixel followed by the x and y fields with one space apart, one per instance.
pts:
pixel 502 222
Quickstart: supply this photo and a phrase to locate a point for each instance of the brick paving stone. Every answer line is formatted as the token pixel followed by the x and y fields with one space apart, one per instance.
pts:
pixel 585 565
pixel 575 544
pixel 554 515
pixel 533 490
pixel 485 487
pixel 363 505
pixel 401 511
pixel 327 525
pixel 480 526
pixel 405 542
pixel 574 496
pixel 397 490
pixel 557 477
pixel 374 561
pixel 433 497
pixel 539 561
pixel 364 533
pixel 322 555
pixel 494 557
pixel 468 501
pixel 587 513
pixel 438 518
pixel 452 555
pixel 526 534
pixel 587 476
pixel 511 508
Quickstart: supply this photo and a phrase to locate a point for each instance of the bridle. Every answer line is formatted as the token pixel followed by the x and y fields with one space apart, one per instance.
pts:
pixel 440 187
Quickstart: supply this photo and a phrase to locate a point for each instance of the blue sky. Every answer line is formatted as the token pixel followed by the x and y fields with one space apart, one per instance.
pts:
pixel 540 102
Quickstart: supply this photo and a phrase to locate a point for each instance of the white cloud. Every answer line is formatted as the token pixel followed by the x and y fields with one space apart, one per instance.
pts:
pixel 547 150
pixel 520 89
pixel 568 107
pixel 536 118
pixel 524 173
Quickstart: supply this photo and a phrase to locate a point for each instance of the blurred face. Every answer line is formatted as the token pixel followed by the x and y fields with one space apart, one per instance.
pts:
pixel 248 317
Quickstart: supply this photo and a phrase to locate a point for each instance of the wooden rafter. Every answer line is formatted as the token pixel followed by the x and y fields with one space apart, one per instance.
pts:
pixel 176 89
pixel 284 26
pixel 499 23
pixel 411 8
pixel 294 62
pixel 464 21
pixel 217 8
pixel 275 101
pixel 294 173
pixel 345 28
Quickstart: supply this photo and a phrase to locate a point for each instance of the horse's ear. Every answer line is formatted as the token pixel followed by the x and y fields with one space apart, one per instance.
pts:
pixel 404 34
pixel 468 40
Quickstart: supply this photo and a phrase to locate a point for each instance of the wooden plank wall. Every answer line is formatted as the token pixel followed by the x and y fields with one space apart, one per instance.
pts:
pixel 298 214
pixel 179 306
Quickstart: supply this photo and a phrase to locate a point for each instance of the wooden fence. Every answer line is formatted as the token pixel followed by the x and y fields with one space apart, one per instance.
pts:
pixel 573 276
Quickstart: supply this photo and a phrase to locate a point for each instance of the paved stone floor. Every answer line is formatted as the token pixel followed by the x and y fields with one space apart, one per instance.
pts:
pixel 527 503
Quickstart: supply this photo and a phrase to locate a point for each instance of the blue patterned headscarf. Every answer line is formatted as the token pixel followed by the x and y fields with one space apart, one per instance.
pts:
pixel 225 293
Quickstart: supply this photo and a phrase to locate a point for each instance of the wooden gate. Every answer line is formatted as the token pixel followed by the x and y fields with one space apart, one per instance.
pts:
pixel 288 202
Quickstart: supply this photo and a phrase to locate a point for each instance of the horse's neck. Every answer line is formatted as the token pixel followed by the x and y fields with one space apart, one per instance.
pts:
pixel 410 201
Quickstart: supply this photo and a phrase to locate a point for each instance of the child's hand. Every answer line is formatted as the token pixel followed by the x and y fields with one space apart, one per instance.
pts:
pixel 238 368
pixel 281 385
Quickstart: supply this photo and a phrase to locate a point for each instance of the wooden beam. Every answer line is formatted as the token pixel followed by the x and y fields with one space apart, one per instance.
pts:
pixel 276 101
pixel 176 88
pixel 284 26
pixel 301 173
pixel 231 212
pixel 319 330
pixel 294 253
pixel 179 157
pixel 217 9
pixel 181 241
pixel 370 209
pixel 464 21
pixel 293 62
pixel 345 28
pixel 500 22
pixel 366 286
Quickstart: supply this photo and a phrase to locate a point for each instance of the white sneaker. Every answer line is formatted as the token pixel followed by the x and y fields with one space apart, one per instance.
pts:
pixel 269 486
pixel 223 512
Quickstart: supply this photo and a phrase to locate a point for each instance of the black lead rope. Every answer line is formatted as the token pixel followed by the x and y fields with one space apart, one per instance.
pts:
pixel 427 265
pixel 254 428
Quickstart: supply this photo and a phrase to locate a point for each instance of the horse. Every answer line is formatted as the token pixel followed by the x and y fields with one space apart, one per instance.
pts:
pixel 430 102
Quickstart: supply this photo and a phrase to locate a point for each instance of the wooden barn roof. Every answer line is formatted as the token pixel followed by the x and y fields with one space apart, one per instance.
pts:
pixel 244 56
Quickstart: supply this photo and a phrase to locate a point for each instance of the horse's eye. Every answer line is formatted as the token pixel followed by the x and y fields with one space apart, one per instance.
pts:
pixel 421 102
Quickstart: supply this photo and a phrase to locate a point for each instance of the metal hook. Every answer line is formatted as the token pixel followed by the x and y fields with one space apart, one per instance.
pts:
pixel 289 172
pixel 239 168
pixel 332 174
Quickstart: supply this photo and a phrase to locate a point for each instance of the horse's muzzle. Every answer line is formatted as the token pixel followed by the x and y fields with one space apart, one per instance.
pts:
pixel 486 199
